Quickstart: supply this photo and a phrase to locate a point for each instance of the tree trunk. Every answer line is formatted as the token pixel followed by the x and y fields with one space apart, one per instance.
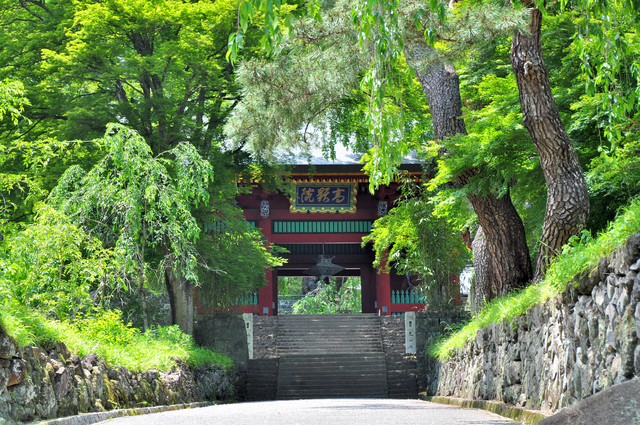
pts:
pixel 504 231
pixel 509 265
pixel 181 299
pixel 141 274
pixel 482 268
pixel 143 299
pixel 567 197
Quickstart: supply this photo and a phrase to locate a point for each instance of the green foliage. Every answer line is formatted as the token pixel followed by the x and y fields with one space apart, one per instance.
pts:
pixel 497 145
pixel 328 299
pixel 383 29
pixel 273 15
pixel 52 265
pixel 12 100
pixel 607 41
pixel 286 100
pixel 232 255
pixel 290 285
pixel 580 255
pixel 132 200
pixel 105 334
pixel 379 33
pixel 415 240
pixel 157 66
pixel 235 260
pixel 614 175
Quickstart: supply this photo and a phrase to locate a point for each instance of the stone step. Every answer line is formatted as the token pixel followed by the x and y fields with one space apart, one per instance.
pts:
pixel 319 351
pixel 327 334
pixel 322 372
pixel 262 379
pixel 328 343
pixel 337 375
pixel 339 330
pixel 338 356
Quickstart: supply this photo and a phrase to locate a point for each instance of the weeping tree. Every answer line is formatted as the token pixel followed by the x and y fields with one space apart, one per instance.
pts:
pixel 417 242
pixel 140 204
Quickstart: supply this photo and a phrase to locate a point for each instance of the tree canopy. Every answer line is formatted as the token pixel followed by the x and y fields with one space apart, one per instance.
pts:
pixel 143 187
pixel 155 190
pixel 496 156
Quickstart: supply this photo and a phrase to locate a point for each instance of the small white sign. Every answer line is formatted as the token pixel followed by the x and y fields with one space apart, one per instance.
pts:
pixel 410 331
pixel 248 326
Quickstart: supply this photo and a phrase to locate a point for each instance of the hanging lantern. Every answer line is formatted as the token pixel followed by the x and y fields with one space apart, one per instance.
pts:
pixel 324 268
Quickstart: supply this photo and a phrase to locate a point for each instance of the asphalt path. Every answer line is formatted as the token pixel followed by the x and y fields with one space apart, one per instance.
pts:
pixel 321 412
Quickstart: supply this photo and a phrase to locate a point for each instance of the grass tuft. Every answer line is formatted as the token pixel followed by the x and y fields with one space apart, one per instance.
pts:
pixel 112 340
pixel 580 255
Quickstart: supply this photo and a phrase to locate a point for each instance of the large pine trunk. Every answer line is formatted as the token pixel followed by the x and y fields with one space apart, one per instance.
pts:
pixel 567 197
pixel 505 265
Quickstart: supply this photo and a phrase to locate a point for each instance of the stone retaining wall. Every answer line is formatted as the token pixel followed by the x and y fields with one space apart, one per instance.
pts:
pixel 38 383
pixel 430 326
pixel 581 342
pixel 265 331
pixel 393 338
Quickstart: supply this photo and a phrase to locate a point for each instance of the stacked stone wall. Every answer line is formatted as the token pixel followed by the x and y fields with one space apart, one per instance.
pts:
pixel 393 337
pixel 41 383
pixel 265 332
pixel 575 345
pixel 431 326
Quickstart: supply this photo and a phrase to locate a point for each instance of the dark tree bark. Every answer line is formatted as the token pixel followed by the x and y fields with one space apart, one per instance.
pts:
pixel 506 265
pixel 567 197
pixel 181 299
pixel 507 251
pixel 482 289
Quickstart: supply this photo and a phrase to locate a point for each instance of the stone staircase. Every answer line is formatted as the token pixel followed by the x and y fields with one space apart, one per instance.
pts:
pixel 358 375
pixel 328 334
pixel 262 379
pixel 330 356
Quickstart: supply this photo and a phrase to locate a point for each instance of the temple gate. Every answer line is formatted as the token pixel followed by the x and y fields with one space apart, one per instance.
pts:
pixel 329 214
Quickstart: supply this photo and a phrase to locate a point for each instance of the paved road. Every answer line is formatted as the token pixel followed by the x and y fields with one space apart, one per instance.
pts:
pixel 321 412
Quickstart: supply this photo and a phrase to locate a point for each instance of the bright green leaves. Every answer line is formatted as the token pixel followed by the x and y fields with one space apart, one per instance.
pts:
pixel 12 100
pixel 156 65
pixel 607 41
pixel 414 240
pixel 498 145
pixel 52 265
pixel 274 18
pixel 134 200
pixel 380 34
pixel 614 175
pixel 328 299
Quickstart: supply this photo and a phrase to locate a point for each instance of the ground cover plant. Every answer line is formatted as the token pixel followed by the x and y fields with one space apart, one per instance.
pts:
pixel 580 255
pixel 105 334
